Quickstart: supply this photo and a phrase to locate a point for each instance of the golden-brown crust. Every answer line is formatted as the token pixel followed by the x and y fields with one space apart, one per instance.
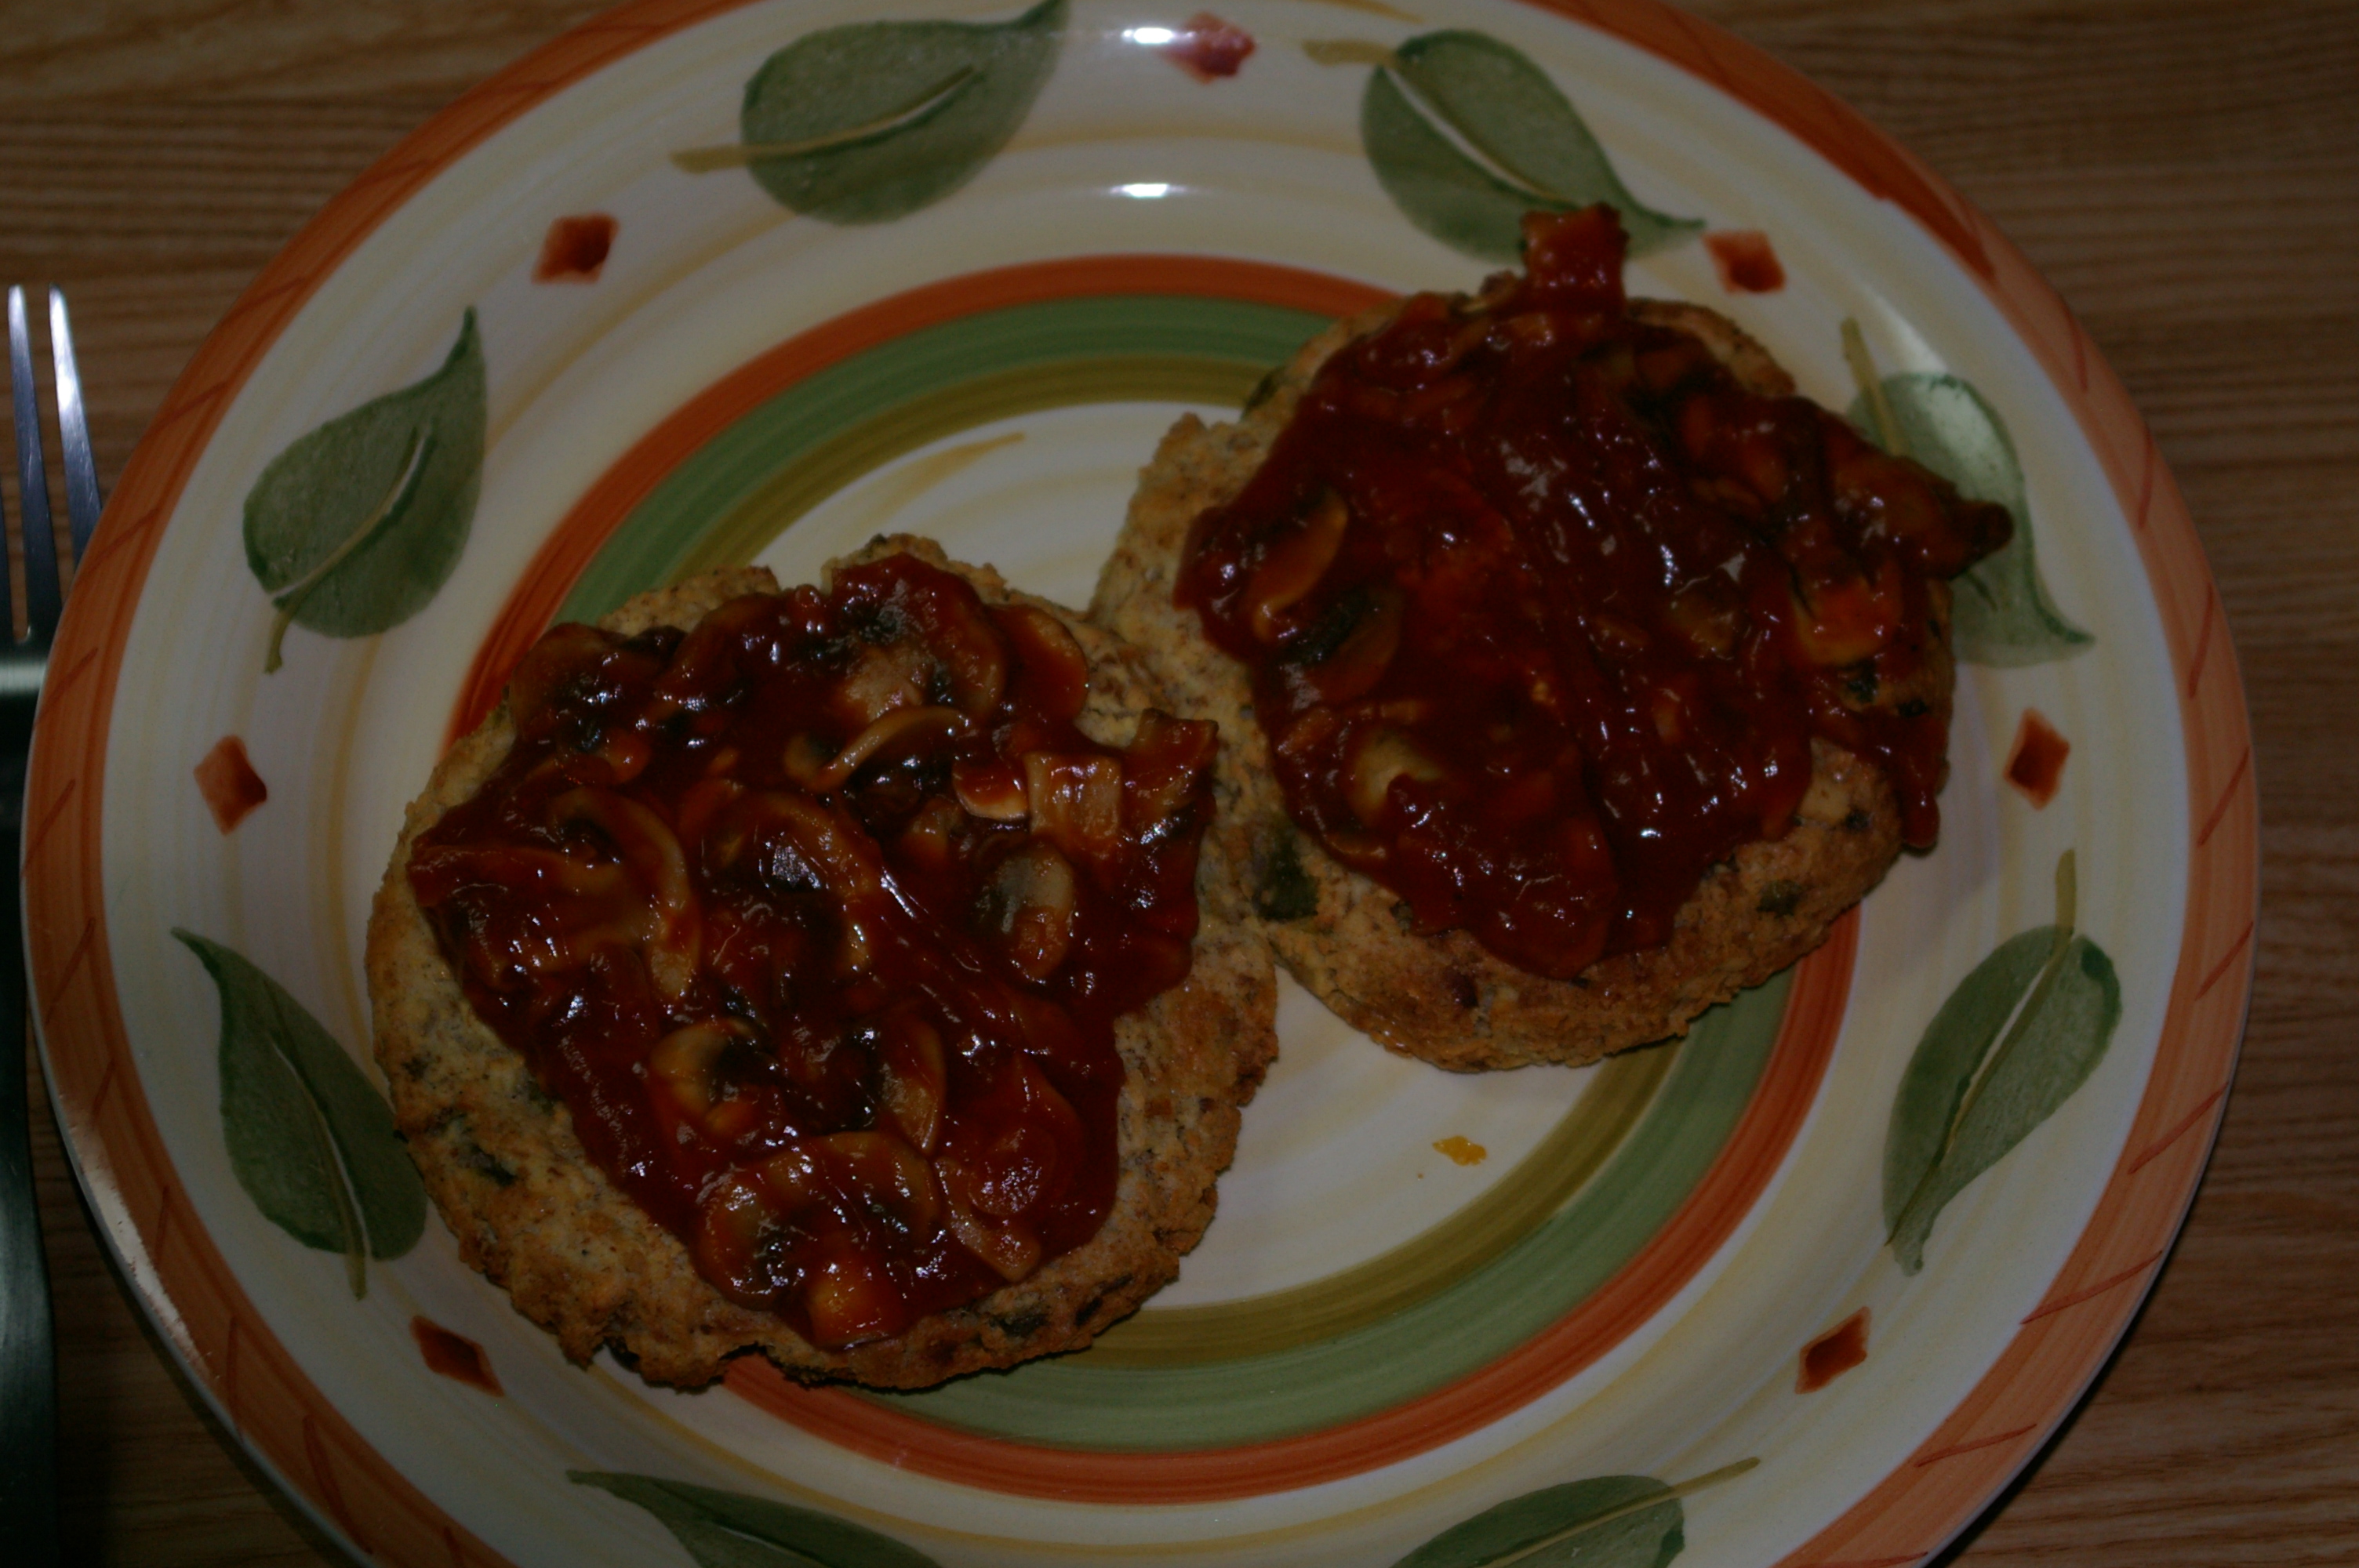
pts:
pixel 1444 997
pixel 532 1213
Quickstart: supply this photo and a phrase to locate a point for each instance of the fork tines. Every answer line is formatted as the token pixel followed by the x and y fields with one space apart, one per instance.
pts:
pixel 43 599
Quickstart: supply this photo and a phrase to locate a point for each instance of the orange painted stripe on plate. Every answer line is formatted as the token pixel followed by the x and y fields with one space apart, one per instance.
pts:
pixel 2043 1372
pixel 2178 1131
pixel 128 1174
pixel 578 537
pixel 2044 1368
pixel 2235 950
pixel 1830 127
pixel 1789 1083
pixel 2093 1291
pixel 1955 1449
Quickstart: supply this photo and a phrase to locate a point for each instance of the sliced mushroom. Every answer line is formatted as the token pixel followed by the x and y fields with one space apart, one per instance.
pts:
pixel 884 676
pixel 1029 906
pixel 670 929
pixel 795 842
pixel 882 1175
pixel 992 791
pixel 1708 615
pixel 1887 496
pixel 747 836
pixel 565 657
pixel 846 855
pixel 1017 1171
pixel 929 839
pixel 688 1064
pixel 738 1240
pixel 916 1087
pixel 1292 566
pixel 1009 1247
pixel 796 1177
pixel 601 908
pixel 1310 731
pixel 1350 647
pixel 930 613
pixel 1617 637
pixel 1163 767
pixel 902 727
pixel 805 758
pixel 1846 618
pixel 703 674
pixel 855 954
pixel 701 804
pixel 850 1298
pixel 1667 706
pixel 438 870
pixel 1076 801
pixel 1381 755
pixel 972 655
pixel 1052 666
pixel 1664 366
pixel 1027 1162
pixel 626 754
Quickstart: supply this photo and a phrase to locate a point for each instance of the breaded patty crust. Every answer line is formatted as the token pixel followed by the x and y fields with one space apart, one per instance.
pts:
pixel 1443 996
pixel 533 1213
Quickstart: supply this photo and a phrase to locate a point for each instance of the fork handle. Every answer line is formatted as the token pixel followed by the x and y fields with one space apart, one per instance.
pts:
pixel 28 1389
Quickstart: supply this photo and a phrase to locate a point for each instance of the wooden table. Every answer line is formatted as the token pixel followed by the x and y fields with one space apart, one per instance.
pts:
pixel 2186 171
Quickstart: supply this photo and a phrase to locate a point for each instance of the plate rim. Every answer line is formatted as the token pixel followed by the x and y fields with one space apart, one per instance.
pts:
pixel 1923 1501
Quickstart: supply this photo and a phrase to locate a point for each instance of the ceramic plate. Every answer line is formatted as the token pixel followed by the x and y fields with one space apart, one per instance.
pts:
pixel 1806 1288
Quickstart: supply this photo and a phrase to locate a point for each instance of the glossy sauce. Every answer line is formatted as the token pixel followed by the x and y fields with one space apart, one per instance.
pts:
pixel 1544 610
pixel 819 918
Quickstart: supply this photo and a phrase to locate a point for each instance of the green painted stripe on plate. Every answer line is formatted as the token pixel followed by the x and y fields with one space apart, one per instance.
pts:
pixel 1511 1209
pixel 772 505
pixel 1434 1309
pixel 735 495
pixel 1073 1402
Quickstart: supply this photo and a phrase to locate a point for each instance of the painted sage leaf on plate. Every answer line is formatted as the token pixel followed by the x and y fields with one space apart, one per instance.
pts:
pixel 310 1138
pixel 2004 614
pixel 869 122
pixel 1467 135
pixel 1973 1093
pixel 353 527
pixel 729 1529
pixel 1606 1521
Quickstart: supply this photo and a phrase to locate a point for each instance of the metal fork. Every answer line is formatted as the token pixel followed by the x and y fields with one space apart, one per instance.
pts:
pixel 27 1353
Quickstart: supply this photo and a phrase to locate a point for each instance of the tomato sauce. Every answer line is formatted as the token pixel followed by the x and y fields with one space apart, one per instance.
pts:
pixel 819 918
pixel 1544 610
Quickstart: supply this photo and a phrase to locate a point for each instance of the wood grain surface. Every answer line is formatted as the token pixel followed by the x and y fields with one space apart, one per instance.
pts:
pixel 2185 171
